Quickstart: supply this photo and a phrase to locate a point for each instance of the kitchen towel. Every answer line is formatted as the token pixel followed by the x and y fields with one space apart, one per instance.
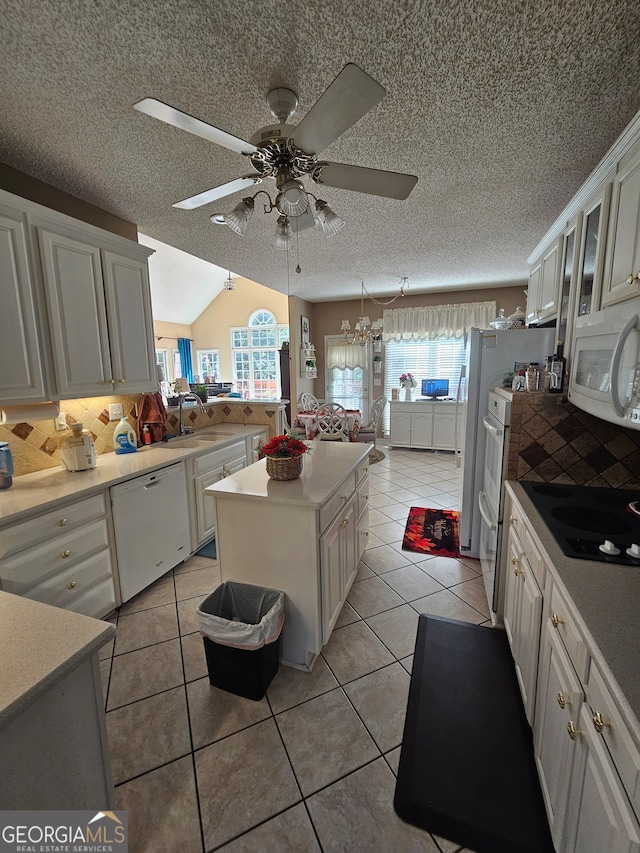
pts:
pixel 432 531
pixel 152 411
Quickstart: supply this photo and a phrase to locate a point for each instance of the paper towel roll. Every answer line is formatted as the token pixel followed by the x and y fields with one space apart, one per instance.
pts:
pixel 29 412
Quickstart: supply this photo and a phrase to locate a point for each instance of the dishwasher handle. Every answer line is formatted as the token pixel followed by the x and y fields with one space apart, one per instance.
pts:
pixel 491 524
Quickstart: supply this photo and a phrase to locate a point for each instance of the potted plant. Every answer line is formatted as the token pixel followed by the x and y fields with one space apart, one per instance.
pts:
pixel 407 382
pixel 201 391
pixel 173 399
pixel 284 457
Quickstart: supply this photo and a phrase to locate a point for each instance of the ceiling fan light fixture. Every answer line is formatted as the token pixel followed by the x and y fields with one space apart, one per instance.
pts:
pixel 238 219
pixel 329 219
pixel 292 199
pixel 218 219
pixel 283 239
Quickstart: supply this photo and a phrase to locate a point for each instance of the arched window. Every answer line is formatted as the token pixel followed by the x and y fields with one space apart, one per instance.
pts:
pixel 254 352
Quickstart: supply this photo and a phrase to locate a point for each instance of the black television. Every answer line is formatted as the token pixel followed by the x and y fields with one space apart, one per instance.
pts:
pixel 434 388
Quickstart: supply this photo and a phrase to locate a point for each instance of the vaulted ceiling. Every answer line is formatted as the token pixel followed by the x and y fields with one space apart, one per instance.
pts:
pixel 501 109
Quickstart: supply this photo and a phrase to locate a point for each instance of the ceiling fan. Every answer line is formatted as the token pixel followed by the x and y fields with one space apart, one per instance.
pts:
pixel 286 152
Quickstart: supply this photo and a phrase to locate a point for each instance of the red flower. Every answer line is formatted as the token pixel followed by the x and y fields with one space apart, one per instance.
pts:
pixel 283 447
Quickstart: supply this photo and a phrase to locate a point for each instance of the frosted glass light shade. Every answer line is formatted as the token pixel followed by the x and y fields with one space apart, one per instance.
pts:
pixel 238 219
pixel 283 239
pixel 292 199
pixel 329 220
pixel 346 325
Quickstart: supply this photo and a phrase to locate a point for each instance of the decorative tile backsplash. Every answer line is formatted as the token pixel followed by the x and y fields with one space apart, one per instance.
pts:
pixel 34 445
pixel 552 441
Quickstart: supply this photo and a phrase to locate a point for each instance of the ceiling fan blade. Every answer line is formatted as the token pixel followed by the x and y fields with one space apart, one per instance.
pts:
pixel 363 180
pixel 351 95
pixel 183 121
pixel 218 192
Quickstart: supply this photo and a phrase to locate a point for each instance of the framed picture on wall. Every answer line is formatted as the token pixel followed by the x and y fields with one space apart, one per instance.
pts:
pixel 304 330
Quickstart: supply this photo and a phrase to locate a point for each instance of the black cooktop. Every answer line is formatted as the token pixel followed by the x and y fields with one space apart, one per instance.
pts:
pixel 581 518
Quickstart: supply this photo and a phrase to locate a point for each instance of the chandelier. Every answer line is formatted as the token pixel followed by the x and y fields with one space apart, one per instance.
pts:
pixel 366 331
pixel 294 208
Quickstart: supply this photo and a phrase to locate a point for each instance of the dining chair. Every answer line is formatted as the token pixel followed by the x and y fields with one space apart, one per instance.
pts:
pixel 307 402
pixel 370 431
pixel 332 422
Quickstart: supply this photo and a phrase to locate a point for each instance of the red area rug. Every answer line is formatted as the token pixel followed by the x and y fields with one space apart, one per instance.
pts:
pixel 432 531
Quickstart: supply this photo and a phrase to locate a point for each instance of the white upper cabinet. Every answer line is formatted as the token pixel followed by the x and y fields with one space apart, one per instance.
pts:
pixel 542 295
pixel 78 320
pixel 22 379
pixel 592 250
pixel 622 263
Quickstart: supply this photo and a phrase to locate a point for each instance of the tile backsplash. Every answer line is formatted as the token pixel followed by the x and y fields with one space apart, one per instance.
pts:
pixel 34 445
pixel 553 441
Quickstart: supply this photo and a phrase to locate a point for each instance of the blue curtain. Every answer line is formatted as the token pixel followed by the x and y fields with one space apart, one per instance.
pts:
pixel 184 348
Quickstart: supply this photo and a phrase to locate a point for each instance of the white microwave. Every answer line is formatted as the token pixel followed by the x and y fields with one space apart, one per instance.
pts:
pixel 605 359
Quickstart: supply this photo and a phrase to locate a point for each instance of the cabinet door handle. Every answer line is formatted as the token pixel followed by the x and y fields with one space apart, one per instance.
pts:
pixel 556 620
pixel 599 723
pixel 572 730
pixel 344 498
pixel 62 522
pixel 345 521
pixel 71 585
pixel 66 553
pixel 563 700
pixel 512 519
pixel 631 278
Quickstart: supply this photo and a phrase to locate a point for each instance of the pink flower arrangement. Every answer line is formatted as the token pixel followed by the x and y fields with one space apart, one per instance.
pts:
pixel 407 381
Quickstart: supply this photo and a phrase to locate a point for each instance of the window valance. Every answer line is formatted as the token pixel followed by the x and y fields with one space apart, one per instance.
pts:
pixel 436 321
pixel 342 355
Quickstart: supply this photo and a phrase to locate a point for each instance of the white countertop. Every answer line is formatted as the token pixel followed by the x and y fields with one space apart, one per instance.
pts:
pixel 323 468
pixel 44 489
pixel 39 645
pixel 607 604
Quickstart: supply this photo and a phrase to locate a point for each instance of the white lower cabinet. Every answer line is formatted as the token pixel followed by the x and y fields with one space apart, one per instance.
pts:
pixel 522 615
pixel 423 425
pixel 62 558
pixel 338 564
pixel 587 760
pixel 208 469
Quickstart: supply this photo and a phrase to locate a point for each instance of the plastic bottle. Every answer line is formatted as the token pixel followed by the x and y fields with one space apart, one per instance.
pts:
pixel 146 434
pixel 124 438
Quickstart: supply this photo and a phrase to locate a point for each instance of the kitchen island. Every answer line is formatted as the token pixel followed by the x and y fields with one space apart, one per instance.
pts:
pixel 303 536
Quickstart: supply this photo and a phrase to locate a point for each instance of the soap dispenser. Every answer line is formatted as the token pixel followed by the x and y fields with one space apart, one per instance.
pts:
pixel 124 438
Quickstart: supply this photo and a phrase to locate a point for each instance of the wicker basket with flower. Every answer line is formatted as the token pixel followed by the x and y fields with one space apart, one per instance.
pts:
pixel 284 457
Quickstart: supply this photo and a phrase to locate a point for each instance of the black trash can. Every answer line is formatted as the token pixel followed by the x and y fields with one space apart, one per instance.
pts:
pixel 241 626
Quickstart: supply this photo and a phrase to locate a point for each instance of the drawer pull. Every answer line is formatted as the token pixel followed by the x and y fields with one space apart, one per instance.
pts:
pixel 572 730
pixel 512 519
pixel 599 723
pixel 66 553
pixel 71 585
pixel 345 521
pixel 62 522
pixel 562 700
pixel 365 532
pixel 344 498
pixel 556 620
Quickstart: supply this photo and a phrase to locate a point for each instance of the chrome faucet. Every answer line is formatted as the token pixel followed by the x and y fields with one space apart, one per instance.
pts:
pixel 185 430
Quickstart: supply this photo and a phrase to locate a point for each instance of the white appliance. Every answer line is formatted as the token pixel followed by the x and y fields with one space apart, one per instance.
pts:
pixel 605 362
pixel 151 524
pixel 489 355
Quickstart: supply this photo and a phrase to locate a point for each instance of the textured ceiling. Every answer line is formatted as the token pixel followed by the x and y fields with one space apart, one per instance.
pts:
pixel 502 109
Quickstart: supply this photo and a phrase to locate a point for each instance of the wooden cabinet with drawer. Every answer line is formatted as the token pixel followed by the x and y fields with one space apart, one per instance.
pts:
pixel 63 558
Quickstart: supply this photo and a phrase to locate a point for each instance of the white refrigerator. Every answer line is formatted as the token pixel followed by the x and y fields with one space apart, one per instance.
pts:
pixel 489 355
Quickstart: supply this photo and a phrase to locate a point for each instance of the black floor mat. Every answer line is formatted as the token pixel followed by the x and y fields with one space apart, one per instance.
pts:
pixel 467 771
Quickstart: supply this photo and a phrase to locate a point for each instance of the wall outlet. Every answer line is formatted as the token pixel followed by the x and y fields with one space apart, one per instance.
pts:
pixel 61 421
pixel 115 411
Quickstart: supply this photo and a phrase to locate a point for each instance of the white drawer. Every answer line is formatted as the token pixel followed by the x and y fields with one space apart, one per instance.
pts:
pixel 362 471
pixel 23 571
pixel 533 556
pixel 213 459
pixel 96 602
pixel 62 589
pixel 608 723
pixel 564 624
pixel 39 529
pixel 337 501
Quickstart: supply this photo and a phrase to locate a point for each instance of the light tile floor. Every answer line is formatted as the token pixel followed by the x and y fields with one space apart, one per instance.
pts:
pixel 311 767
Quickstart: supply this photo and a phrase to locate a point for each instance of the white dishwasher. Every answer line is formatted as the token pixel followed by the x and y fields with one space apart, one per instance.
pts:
pixel 151 525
